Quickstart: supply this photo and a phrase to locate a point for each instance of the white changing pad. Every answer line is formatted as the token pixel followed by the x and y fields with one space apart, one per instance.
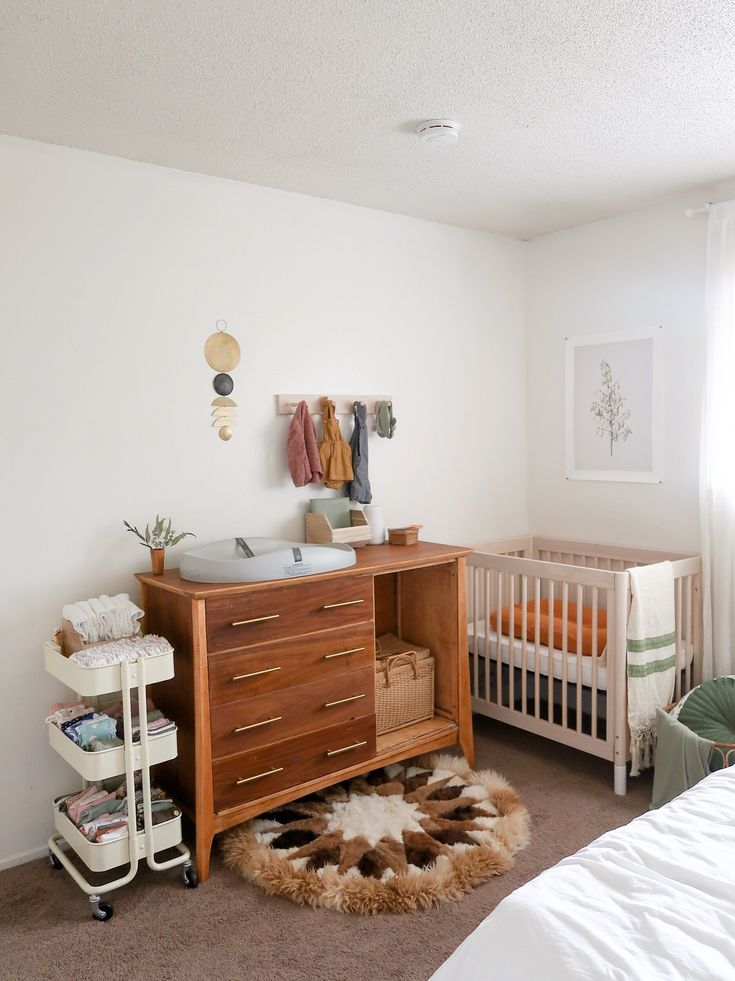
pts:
pixel 558 658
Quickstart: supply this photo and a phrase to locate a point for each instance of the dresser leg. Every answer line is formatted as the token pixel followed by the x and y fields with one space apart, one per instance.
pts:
pixel 467 744
pixel 204 839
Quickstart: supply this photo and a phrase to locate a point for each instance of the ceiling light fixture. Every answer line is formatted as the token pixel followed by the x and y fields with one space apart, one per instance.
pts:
pixel 438 132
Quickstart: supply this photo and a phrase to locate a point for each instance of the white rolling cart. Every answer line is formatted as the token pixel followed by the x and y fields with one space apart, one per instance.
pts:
pixel 122 760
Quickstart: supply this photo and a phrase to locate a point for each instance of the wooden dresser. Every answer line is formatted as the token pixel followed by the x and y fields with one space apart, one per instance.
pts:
pixel 274 693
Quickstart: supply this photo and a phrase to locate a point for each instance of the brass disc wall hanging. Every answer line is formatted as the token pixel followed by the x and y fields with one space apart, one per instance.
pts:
pixel 222 353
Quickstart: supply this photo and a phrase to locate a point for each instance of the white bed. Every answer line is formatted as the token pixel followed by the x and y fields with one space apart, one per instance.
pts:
pixel 652 900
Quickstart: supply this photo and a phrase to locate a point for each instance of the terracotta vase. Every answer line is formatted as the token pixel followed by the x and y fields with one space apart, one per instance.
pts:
pixel 157 560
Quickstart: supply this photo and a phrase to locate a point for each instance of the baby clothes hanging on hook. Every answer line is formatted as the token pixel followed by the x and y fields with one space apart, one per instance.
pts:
pixel 333 451
pixel 302 451
pixel 359 488
pixel 385 421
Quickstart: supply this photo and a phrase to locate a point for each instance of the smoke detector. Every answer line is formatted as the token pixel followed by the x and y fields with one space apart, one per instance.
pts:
pixel 438 132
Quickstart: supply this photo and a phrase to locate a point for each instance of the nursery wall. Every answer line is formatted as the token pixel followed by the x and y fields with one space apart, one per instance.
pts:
pixel 112 275
pixel 638 270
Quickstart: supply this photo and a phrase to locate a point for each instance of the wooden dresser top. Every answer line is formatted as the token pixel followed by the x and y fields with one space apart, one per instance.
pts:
pixel 371 560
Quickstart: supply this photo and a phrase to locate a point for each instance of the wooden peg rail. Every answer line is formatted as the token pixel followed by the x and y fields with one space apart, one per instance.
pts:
pixel 342 403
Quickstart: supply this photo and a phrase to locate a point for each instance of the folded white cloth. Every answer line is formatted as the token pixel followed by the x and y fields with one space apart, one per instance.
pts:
pixel 104 617
pixel 125 649
pixel 120 616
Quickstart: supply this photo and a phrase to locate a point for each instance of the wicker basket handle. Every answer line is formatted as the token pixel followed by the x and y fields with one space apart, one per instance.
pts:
pixel 405 657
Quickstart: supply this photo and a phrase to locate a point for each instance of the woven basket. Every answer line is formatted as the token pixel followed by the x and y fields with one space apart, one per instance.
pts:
pixel 404 684
pixel 726 750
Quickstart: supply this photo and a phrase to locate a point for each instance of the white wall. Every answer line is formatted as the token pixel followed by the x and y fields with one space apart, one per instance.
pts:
pixel 638 270
pixel 112 275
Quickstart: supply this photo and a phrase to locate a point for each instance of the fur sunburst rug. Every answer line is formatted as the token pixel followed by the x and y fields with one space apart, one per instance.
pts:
pixel 407 837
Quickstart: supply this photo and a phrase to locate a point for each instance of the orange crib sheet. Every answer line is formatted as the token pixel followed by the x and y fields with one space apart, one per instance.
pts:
pixel 553 621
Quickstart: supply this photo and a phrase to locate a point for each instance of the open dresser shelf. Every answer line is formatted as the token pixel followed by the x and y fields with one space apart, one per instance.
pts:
pixel 274 694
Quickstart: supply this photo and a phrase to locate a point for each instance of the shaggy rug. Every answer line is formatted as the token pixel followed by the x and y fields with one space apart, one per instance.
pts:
pixel 407 837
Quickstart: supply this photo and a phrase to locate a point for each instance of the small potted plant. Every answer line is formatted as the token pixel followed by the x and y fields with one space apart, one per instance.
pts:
pixel 158 539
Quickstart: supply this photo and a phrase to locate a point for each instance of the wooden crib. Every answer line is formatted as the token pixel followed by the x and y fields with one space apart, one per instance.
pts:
pixel 567 683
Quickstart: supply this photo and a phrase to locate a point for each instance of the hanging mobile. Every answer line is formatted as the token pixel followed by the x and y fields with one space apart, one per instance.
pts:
pixel 222 353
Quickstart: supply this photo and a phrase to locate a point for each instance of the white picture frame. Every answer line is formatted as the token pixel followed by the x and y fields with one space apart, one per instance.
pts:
pixel 614 406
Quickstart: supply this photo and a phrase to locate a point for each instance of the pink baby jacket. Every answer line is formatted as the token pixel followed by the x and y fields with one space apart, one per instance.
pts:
pixel 302 451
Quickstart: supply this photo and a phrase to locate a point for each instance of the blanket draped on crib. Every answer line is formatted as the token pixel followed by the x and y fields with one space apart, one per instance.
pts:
pixel 651 656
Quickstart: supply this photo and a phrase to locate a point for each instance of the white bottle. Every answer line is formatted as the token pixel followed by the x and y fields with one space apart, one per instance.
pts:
pixel 374 515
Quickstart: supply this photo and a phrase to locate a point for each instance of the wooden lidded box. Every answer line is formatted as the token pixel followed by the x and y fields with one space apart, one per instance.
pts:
pixel 403 536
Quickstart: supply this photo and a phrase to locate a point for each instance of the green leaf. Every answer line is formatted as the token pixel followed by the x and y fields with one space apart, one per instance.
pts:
pixel 184 534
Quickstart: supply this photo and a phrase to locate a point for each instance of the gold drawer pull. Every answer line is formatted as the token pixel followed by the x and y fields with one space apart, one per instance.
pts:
pixel 352 650
pixel 333 606
pixel 242 623
pixel 254 674
pixel 341 701
pixel 276 769
pixel 255 725
pixel 345 749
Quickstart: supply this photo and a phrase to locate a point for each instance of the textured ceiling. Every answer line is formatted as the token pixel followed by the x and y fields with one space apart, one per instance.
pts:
pixel 571 110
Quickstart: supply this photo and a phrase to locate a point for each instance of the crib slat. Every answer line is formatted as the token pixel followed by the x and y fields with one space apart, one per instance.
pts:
pixel 677 620
pixel 524 641
pixel 550 657
pixel 593 713
pixel 564 650
pixel 511 640
pixel 499 642
pixel 537 645
pixel 580 658
pixel 689 636
pixel 488 651
pixel 476 615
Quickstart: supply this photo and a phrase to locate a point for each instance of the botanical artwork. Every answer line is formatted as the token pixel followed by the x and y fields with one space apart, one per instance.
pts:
pixel 608 410
pixel 613 406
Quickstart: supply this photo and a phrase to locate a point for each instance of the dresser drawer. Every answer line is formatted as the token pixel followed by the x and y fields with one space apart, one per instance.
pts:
pixel 278 766
pixel 296 661
pixel 256 617
pixel 269 718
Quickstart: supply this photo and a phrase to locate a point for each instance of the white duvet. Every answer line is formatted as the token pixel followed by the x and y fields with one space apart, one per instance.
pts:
pixel 655 899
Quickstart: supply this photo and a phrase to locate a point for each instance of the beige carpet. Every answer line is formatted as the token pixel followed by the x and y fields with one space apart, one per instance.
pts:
pixel 230 930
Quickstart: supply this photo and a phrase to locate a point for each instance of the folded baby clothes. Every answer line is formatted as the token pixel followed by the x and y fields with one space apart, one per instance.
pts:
pixel 102 815
pixel 157 721
pixel 125 649
pixel 89 729
pixel 62 712
pixel 98 729
pixel 78 804
pixel 106 827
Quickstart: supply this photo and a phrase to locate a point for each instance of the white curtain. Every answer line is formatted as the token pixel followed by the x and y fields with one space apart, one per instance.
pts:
pixel 718 446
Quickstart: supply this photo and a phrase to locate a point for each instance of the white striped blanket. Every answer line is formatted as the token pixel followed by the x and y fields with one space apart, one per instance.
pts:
pixel 651 656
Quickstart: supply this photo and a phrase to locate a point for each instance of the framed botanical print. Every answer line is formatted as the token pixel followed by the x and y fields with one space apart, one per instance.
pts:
pixel 614 406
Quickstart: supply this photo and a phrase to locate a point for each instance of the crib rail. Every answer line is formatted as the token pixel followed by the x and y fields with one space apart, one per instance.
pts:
pixel 566 682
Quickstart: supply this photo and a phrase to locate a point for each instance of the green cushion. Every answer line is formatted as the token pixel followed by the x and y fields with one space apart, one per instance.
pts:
pixel 709 710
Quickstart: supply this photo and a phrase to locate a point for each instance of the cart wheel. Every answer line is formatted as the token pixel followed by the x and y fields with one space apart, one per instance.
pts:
pixel 100 910
pixel 103 912
pixel 190 876
pixel 53 860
